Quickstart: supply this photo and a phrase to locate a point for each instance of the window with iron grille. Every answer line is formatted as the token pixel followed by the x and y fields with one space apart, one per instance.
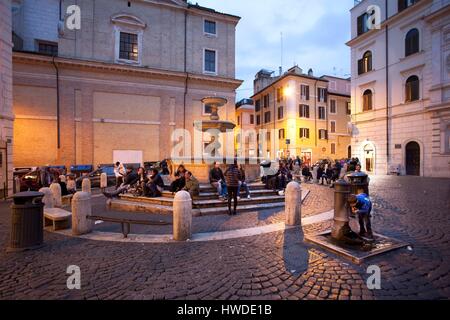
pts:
pixel 210 61
pixel 210 27
pixel 304 111
pixel 322 113
pixel 48 48
pixel 128 46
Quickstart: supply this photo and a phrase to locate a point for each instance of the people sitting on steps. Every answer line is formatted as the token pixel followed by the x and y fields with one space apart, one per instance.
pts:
pixel 243 183
pixel 191 185
pixel 131 179
pixel 155 185
pixel 179 182
pixel 217 180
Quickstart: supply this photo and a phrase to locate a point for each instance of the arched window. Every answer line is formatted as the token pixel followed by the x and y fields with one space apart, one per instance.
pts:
pixel 412 42
pixel 365 64
pixel 412 89
pixel 367 100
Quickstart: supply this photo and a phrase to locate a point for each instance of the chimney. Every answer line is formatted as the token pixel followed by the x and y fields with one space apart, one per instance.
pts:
pixel 280 71
pixel 310 72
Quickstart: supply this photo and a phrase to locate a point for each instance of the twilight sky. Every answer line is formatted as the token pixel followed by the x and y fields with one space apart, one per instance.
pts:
pixel 314 36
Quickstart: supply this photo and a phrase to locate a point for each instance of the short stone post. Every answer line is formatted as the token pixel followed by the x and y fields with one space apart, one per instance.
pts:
pixel 314 173
pixel 56 191
pixel 47 200
pixel 86 185
pixel 81 210
pixel 341 225
pixel 182 216
pixel 293 207
pixel 62 178
pixel 17 184
pixel 103 181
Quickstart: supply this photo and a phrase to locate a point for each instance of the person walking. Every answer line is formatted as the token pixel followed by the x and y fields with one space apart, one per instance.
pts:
pixel 232 177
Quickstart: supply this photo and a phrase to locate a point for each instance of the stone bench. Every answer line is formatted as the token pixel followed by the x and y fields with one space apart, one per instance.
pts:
pixel 58 218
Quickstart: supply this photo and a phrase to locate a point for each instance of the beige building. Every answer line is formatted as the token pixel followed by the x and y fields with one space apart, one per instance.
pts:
pixel 245 129
pixel 401 86
pixel 6 115
pixel 119 86
pixel 303 115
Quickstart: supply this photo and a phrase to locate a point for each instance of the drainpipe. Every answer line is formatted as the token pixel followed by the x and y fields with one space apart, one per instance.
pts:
pixel 58 120
pixel 315 112
pixel 185 71
pixel 387 88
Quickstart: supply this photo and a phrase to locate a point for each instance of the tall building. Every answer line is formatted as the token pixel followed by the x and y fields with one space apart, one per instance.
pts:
pixel 245 129
pixel 116 88
pixel 401 86
pixel 303 115
pixel 6 115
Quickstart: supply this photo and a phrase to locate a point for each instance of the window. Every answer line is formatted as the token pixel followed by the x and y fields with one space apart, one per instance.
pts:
pixel 304 111
pixel 281 134
pixel 258 120
pixel 333 106
pixel 252 119
pixel 403 4
pixel 128 49
pixel 48 48
pixel 367 100
pixel 210 61
pixel 268 136
pixel 267 117
pixel 412 42
pixel 258 105
pixel 210 27
pixel 333 148
pixel 280 113
pixel 349 108
pixel 279 94
pixel 304 133
pixel 322 113
pixel 322 94
pixel 323 134
pixel 365 64
pixel 362 23
pixel 412 89
pixel 304 92
pixel 266 100
pixel 333 126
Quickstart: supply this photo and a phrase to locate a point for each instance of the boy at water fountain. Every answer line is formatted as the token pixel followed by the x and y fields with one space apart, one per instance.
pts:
pixel 362 207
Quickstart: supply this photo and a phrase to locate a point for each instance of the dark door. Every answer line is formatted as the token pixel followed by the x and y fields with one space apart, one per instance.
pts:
pixel 413 159
pixel 349 152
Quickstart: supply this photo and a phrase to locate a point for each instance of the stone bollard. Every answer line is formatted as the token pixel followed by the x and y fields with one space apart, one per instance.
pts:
pixel 182 216
pixel 293 206
pixel 48 198
pixel 17 184
pixel 314 173
pixel 56 190
pixel 341 218
pixel 62 178
pixel 81 210
pixel 86 185
pixel 103 181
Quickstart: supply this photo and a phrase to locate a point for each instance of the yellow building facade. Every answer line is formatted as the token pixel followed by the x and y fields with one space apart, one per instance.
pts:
pixel 302 115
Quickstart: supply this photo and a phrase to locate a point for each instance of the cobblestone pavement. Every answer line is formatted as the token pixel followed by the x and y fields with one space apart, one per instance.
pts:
pixel 270 266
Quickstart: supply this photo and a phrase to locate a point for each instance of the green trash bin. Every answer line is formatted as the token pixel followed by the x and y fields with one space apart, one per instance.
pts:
pixel 27 221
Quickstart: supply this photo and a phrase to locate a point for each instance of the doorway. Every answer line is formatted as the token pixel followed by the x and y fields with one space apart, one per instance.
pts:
pixel 412 159
pixel 369 158
pixel 349 152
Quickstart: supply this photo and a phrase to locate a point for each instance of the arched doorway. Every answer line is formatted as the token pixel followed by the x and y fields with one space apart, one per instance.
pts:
pixel 412 161
pixel 369 158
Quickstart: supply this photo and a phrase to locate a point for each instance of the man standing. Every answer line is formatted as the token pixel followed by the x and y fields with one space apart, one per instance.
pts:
pixel 119 172
pixel 232 177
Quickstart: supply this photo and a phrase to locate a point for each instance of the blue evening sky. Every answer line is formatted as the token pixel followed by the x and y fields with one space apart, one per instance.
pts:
pixel 314 36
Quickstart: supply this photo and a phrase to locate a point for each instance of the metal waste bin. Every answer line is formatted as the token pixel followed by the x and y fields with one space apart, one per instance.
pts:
pixel 359 182
pixel 27 221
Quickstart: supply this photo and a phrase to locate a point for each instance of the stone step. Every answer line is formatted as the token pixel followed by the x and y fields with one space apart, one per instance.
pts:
pixel 201 203
pixel 252 186
pixel 213 195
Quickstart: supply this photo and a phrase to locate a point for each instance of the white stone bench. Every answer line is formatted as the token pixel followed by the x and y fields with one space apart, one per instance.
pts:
pixel 58 218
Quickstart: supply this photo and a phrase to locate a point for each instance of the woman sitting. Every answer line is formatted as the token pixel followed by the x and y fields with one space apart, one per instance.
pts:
pixel 179 182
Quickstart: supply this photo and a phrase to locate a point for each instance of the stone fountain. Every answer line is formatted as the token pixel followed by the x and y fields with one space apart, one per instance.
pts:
pixel 214 123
